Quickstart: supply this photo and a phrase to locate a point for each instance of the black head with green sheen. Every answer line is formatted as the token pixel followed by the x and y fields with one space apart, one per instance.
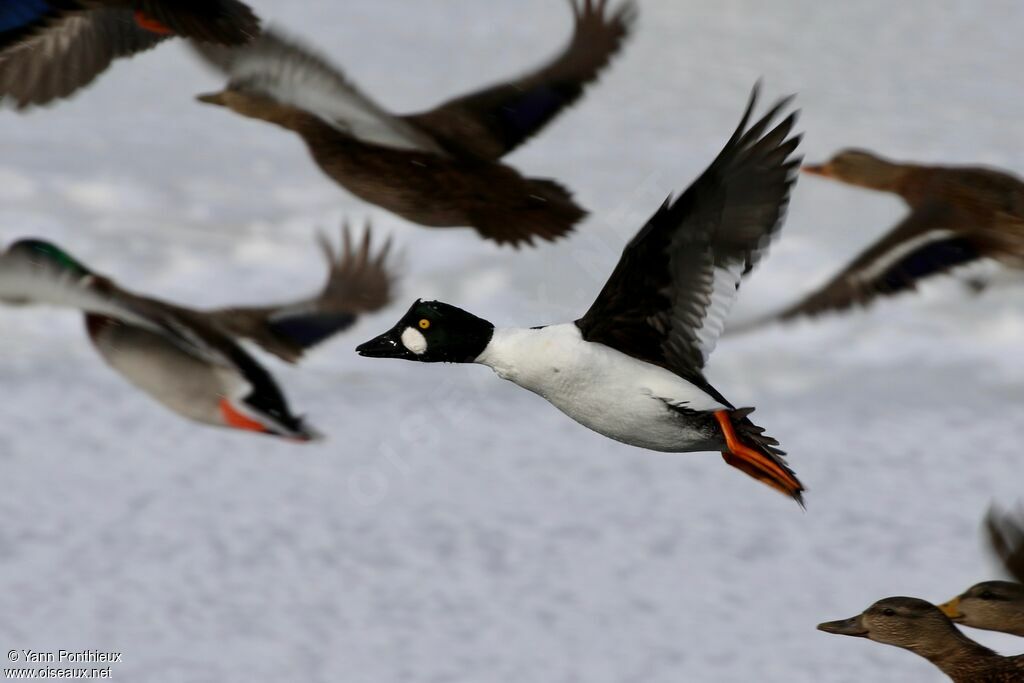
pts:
pixel 432 332
pixel 41 251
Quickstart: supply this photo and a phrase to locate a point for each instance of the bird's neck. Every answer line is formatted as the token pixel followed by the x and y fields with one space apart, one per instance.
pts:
pixel 514 352
pixel 885 176
pixel 956 654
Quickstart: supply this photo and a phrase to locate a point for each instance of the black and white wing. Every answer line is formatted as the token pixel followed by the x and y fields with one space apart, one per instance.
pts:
pixel 66 52
pixel 667 300
pixel 359 280
pixel 492 122
pixel 292 74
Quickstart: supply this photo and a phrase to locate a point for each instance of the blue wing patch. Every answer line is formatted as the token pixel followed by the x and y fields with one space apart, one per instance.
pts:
pixel 531 110
pixel 309 330
pixel 18 13
pixel 933 258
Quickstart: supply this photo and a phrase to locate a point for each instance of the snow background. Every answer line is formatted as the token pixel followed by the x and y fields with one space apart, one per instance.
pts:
pixel 457 528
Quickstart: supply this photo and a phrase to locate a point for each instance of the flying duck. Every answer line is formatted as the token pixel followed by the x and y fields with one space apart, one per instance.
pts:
pixel 51 48
pixel 189 360
pixel 632 367
pixel 922 628
pixel 996 605
pixel 439 168
pixel 958 215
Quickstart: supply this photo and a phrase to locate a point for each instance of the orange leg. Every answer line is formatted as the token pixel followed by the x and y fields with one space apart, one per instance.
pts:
pixel 151 25
pixel 753 462
pixel 233 418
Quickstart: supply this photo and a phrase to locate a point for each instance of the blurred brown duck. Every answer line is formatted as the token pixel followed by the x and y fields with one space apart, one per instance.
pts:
pixel 189 360
pixel 51 48
pixel 439 168
pixel 922 628
pixel 996 605
pixel 958 215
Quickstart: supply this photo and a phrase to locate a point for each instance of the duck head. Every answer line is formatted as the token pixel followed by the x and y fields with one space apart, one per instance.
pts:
pixel 859 167
pixel 432 332
pixel 909 623
pixel 991 605
pixel 40 256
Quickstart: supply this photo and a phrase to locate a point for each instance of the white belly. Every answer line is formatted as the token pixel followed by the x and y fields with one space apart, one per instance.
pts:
pixel 614 394
pixel 171 376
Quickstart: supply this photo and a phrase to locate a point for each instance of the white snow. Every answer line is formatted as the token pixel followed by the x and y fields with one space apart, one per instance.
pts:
pixel 458 528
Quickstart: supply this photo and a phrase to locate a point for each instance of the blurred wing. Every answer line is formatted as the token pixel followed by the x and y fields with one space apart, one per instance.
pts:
pixel 226 22
pixel 1006 539
pixel 667 299
pixel 69 53
pixel 359 280
pixel 492 122
pixel 291 74
pixel 923 245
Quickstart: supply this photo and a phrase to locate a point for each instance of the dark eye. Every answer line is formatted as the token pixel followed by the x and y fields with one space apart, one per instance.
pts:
pixel 889 612
pixel 987 595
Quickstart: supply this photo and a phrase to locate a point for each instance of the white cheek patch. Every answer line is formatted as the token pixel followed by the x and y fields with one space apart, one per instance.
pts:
pixel 414 340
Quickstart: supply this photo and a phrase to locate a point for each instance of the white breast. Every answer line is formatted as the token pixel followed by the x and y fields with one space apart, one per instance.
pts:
pixel 604 389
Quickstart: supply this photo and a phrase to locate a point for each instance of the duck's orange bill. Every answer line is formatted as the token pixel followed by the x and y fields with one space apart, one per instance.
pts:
pixel 951 609
pixel 753 462
pixel 150 24
pixel 233 418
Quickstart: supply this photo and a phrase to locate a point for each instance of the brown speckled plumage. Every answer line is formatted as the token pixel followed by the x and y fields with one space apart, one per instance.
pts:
pixel 922 628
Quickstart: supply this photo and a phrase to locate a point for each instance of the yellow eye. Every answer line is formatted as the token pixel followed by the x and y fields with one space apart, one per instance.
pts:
pixel 424 324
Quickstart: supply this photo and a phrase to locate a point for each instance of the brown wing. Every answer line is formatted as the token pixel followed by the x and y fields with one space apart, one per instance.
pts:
pixel 492 122
pixel 359 280
pixel 20 20
pixel 1006 539
pixel 225 22
pixel 68 54
pixel 923 245
pixel 667 299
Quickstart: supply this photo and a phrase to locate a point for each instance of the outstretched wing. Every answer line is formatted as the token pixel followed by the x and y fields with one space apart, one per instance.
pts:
pixel 67 51
pixel 1006 538
pixel 359 280
pixel 923 245
pixel 492 122
pixel 668 297
pixel 292 74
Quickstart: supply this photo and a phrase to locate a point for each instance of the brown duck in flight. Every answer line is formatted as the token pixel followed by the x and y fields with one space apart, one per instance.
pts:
pixel 439 168
pixel 51 48
pixel 958 215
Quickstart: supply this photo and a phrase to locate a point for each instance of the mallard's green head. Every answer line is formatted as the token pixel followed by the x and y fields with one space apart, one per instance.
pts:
pixel 47 252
